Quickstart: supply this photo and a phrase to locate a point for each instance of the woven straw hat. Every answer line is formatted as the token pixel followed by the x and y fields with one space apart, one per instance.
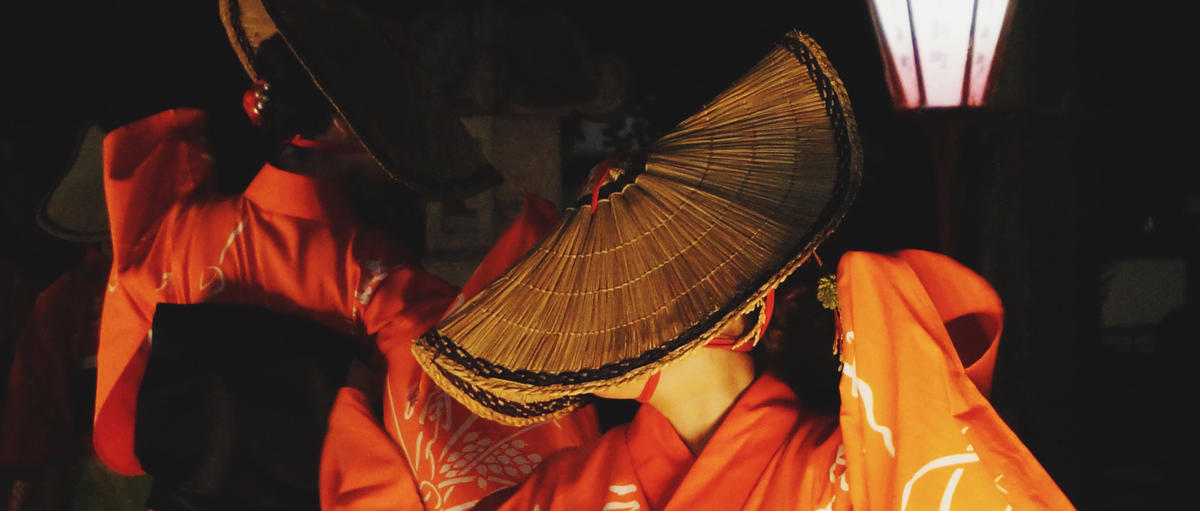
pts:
pixel 374 85
pixel 683 238
pixel 75 209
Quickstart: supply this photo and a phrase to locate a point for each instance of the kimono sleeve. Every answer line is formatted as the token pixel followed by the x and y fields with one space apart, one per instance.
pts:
pixel 571 478
pixel 400 301
pixel 121 360
pixel 917 429
pixel 151 165
pixel 361 467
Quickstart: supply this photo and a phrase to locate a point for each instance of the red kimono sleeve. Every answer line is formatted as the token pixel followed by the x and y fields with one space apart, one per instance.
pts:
pixel 361 468
pixel 575 478
pixel 919 340
pixel 407 302
pixel 150 167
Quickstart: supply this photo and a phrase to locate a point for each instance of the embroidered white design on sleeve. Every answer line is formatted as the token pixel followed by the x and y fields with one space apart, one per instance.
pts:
pixel 952 460
pixel 996 482
pixel 837 471
pixel 467 457
pixel 828 505
pixel 166 278
pixel 860 389
pixel 375 273
pixel 213 276
pixel 212 282
pixel 229 242
pixel 948 495
pixel 622 490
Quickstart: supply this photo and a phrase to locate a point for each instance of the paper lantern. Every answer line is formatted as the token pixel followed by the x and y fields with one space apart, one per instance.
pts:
pixel 939 53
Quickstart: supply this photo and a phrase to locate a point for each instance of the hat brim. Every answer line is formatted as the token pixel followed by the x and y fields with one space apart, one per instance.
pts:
pixel 379 89
pixel 727 206
pixel 486 402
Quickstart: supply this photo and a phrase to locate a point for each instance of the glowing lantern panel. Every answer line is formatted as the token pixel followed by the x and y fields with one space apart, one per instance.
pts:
pixel 989 22
pixel 939 52
pixel 895 31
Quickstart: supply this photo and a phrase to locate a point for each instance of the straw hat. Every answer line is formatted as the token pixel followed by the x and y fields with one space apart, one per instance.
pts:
pixel 75 209
pixel 680 239
pixel 374 85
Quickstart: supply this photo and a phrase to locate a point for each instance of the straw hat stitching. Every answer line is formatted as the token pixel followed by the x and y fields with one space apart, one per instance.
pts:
pixel 661 308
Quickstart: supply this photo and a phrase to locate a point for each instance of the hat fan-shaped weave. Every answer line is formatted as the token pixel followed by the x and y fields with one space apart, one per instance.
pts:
pixel 689 234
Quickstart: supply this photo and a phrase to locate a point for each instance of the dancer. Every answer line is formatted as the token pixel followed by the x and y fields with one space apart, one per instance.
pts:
pixel 335 97
pixel 677 251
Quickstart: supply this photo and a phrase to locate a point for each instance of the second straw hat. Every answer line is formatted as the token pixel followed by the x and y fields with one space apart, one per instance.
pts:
pixel 672 244
pixel 75 209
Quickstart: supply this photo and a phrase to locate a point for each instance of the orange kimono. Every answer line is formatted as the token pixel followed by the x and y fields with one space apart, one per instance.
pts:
pixel 915 429
pixel 289 243
pixel 430 452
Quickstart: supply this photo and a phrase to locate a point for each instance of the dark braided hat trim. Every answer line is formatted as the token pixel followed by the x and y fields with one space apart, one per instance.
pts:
pixel 513 408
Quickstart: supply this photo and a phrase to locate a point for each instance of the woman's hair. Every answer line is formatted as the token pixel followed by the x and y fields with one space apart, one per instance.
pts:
pixel 294 106
pixel 798 344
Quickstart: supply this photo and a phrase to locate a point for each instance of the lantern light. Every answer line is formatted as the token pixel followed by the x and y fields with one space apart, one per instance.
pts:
pixel 939 53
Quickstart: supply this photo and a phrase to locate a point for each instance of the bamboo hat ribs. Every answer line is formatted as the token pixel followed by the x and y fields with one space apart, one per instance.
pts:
pixel 364 72
pixel 677 241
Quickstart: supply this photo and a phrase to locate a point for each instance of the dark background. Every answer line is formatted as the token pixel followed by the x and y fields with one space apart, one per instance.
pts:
pixel 1083 158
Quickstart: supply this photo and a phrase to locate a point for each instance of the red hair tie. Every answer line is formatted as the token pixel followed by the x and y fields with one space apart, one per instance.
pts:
pixel 601 173
pixel 747 342
pixel 254 100
pixel 648 390
pixel 601 178
pixel 321 145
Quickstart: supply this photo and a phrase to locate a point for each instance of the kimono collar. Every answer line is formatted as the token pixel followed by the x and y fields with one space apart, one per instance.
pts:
pixel 757 424
pixel 297 195
pixel 660 457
